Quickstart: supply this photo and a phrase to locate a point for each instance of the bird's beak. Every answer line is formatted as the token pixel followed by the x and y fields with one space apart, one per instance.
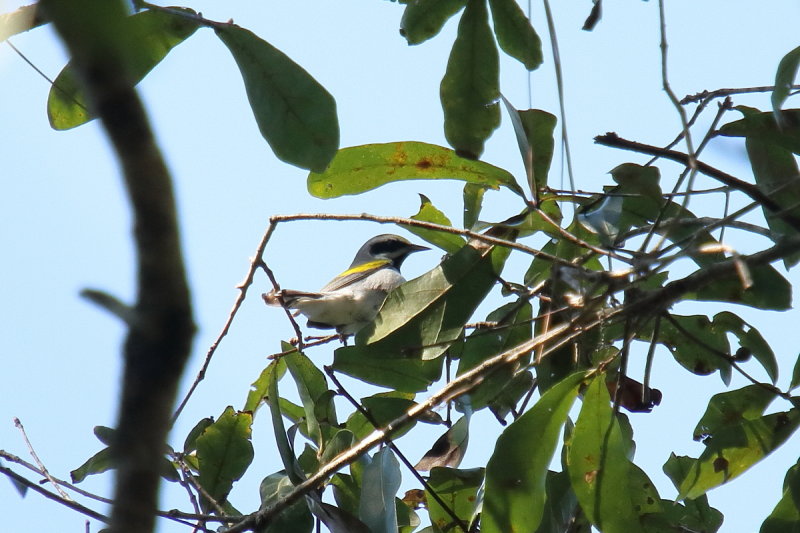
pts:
pixel 418 248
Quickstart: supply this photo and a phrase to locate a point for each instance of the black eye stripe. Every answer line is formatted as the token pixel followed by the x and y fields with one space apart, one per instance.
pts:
pixel 387 247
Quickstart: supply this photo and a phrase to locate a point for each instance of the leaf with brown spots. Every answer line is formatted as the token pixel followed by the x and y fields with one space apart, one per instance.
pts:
pixel 358 169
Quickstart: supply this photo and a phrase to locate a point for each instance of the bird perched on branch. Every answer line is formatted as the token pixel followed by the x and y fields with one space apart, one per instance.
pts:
pixel 352 299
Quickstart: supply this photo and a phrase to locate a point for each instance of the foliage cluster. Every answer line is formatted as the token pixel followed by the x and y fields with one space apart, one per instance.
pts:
pixel 606 278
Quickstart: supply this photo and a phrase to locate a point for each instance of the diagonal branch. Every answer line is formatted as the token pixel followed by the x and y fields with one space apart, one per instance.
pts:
pixel 615 141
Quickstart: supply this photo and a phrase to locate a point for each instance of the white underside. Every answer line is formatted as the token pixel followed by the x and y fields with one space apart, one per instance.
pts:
pixel 351 308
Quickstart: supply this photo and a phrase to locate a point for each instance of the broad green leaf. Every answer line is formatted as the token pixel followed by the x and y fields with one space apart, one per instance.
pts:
pixel 515 34
pixel 104 434
pixel 770 290
pixel 313 390
pixel 734 448
pixel 470 86
pixel 423 316
pixel 560 507
pixel 335 519
pixel 294 113
pixel 750 340
pixel 762 125
pixel 695 514
pixel 103 460
pixel 533 129
pixel 378 488
pixel 383 408
pixel 97 464
pixel 359 169
pixel 517 471
pixel 776 173
pixel 341 440
pixel 258 390
pixel 423 19
pixel 513 328
pixel 599 467
pixel 784 78
pixel 449 242
pixel 296 518
pixel 392 371
pixel 785 518
pixel 458 490
pixel 473 203
pixel 449 449
pixel 699 345
pixel 154 33
pixel 506 401
pixel 224 452
pixel 346 492
pixel 733 407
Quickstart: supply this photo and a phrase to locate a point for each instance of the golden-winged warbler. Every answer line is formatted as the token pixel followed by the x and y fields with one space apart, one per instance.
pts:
pixel 352 299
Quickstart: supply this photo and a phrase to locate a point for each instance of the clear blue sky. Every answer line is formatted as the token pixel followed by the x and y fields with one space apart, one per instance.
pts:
pixel 66 222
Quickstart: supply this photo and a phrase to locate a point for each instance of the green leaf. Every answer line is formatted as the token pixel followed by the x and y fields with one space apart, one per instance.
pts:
pixel 517 471
pixel 296 518
pixel 534 132
pixel 449 242
pixel 458 489
pixel 762 125
pixel 383 408
pixel 104 434
pixel 734 448
pixel 423 19
pixel 224 452
pixel 560 510
pixel 190 443
pixel 785 518
pixel 313 390
pixel 750 340
pixel 449 449
pixel 294 113
pixel 795 374
pixel 699 345
pixel 770 290
pixel 392 371
pixel 97 464
pixel 380 483
pixel 260 387
pixel 784 78
pixel 599 467
pixel 732 408
pixel 470 86
pixel 513 328
pixel 154 34
pixel 515 34
pixel 473 203
pixel 276 406
pixel 359 169
pixel 695 514
pixel 402 348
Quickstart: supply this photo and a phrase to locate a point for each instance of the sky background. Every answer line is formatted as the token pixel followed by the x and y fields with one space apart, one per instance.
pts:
pixel 66 223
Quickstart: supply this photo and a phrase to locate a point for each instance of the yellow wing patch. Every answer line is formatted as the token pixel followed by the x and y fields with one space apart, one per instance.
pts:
pixel 372 265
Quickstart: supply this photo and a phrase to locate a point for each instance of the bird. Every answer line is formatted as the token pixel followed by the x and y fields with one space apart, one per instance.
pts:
pixel 352 299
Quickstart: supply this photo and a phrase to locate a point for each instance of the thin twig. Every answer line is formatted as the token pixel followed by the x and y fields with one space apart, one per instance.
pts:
pixel 710 95
pixel 38 461
pixel 72 504
pixel 551 28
